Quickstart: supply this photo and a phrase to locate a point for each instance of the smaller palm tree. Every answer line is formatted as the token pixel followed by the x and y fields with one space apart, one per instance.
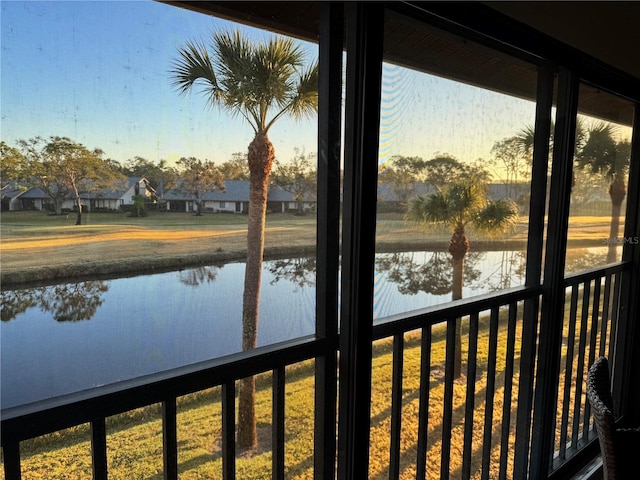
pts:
pixel 458 205
pixel 601 154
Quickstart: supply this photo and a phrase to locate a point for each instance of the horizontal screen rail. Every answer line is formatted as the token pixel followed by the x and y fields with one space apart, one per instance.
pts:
pixel 593 273
pixel 29 421
pixel 391 325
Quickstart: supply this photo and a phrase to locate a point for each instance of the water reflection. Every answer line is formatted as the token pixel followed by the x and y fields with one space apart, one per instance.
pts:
pixel 434 276
pixel 509 272
pixel 198 275
pixel 147 324
pixel 15 302
pixel 69 302
pixel 579 259
pixel 299 271
pixel 430 273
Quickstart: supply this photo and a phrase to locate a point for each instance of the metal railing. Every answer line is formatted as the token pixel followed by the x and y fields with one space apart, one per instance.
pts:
pixel 475 430
pixel 465 427
pixel 589 327
pixel 94 406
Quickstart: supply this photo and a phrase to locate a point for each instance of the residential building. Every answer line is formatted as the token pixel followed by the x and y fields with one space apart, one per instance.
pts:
pixel 112 199
pixel 234 199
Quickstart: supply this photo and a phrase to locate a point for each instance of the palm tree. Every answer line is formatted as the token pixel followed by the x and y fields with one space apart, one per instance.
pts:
pixel 601 154
pixel 261 82
pixel 463 202
pixel 525 138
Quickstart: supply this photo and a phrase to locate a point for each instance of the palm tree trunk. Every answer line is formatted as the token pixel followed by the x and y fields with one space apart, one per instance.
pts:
pixel 617 192
pixel 260 158
pixel 456 294
pixel 458 278
pixel 458 248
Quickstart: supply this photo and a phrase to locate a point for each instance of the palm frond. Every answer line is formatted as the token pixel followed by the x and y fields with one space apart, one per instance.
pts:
pixel 433 208
pixel 250 79
pixel 497 217
pixel 525 139
pixel 305 101
pixel 193 65
pixel 599 154
pixel 465 198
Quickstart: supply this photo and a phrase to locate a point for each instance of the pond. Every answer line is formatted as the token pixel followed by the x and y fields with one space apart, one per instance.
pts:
pixel 64 338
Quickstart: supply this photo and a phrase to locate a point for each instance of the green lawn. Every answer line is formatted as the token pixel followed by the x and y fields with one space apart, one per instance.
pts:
pixel 36 246
pixel 135 438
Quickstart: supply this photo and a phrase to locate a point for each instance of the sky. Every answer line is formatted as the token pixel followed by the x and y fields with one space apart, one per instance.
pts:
pixel 98 73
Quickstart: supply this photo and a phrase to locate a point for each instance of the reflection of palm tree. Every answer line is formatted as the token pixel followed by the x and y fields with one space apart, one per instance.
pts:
pixel 579 259
pixel 433 277
pixel 300 271
pixel 72 302
pixel 462 203
pixel 602 155
pixel 199 275
pixel 253 81
pixel 512 265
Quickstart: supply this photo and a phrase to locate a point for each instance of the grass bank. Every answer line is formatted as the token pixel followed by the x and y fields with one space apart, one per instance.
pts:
pixel 36 246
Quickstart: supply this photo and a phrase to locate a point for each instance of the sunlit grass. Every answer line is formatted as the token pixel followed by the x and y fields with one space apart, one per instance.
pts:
pixel 38 246
pixel 134 438
pixel 107 235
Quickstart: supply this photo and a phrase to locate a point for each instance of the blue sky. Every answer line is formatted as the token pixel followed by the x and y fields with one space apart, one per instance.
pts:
pixel 98 72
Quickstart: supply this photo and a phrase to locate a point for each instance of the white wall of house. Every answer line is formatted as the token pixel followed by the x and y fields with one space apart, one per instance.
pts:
pixel 106 203
pixel 129 194
pixel 15 204
pixel 293 206
pixel 217 206
pixel 112 203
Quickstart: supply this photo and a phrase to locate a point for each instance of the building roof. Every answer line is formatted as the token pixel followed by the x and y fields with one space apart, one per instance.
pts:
pixel 235 191
pixel 386 192
pixel 12 190
pixel 115 194
pixel 34 192
pixel 120 189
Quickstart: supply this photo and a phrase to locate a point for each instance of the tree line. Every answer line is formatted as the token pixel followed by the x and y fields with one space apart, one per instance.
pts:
pixel 65 169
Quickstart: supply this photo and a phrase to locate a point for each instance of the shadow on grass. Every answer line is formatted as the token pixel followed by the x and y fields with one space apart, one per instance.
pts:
pixel 409 456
